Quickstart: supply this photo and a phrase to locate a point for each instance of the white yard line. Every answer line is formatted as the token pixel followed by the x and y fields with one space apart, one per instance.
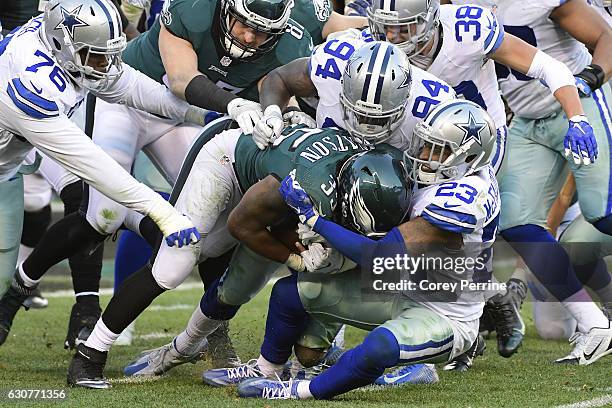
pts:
pixel 109 291
pixel 595 402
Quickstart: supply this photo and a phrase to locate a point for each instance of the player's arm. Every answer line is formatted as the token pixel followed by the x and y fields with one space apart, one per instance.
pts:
pixel 525 58
pixel 286 81
pixel 260 207
pixel 561 204
pixel 64 142
pixel 338 22
pixel 181 65
pixel 586 25
pixel 141 92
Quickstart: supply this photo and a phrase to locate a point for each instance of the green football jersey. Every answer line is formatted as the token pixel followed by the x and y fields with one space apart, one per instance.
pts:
pixel 315 154
pixel 196 21
pixel 312 16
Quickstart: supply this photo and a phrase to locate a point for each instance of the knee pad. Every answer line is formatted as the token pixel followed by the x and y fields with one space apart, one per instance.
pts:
pixel 36 202
pixel 380 348
pixel 107 217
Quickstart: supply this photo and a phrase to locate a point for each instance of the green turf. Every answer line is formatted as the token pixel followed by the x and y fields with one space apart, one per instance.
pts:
pixel 33 358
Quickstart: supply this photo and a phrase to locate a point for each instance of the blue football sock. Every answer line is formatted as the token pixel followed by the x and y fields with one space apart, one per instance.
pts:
pixel 286 321
pixel 546 258
pixel 359 366
pixel 213 308
pixel 133 252
pixel 595 275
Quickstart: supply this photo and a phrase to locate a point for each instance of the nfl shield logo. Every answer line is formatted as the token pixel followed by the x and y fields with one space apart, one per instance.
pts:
pixel 225 61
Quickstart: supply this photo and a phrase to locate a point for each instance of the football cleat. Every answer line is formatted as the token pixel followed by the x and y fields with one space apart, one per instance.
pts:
pixel 221 351
pixel 87 367
pixel 506 313
pixel 410 374
pixel 83 318
pixel 161 360
pixel 590 347
pixel 486 324
pixel 269 389
pixel 464 362
pixel 36 300
pixel 225 377
pixel 10 304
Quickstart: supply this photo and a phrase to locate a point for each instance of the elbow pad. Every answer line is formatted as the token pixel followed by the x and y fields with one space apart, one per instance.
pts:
pixel 593 75
pixel 554 73
pixel 202 92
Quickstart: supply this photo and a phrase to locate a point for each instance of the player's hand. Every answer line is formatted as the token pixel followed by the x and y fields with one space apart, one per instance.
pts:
pixel 246 113
pixel 269 127
pixel 297 199
pixel 580 141
pixel 297 117
pixel 307 236
pixel 357 8
pixel 584 90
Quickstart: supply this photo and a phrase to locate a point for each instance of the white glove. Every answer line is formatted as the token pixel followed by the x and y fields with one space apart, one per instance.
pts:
pixel 307 235
pixel 319 259
pixel 246 113
pixel 269 127
pixel 177 229
pixel 297 117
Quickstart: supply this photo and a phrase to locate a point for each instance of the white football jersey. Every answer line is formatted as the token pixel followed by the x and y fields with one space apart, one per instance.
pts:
pixel 31 78
pixel 470 33
pixel 327 64
pixel 529 20
pixel 470 207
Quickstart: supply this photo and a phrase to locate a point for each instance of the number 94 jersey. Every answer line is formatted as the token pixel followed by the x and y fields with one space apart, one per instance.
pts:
pixel 327 64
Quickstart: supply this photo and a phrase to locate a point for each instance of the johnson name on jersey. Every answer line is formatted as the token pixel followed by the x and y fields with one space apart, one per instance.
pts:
pixel 327 64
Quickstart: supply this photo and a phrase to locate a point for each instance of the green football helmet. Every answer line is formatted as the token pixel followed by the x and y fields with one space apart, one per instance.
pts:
pixel 374 191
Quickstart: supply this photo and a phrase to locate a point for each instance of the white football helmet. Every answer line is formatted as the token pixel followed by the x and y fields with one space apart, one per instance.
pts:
pixel 81 32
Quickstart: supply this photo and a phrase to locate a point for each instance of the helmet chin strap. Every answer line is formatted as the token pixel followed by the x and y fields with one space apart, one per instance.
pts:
pixel 424 60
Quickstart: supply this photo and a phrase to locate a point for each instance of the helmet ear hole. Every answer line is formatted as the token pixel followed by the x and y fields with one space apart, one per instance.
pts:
pixel 470 158
pixel 57 44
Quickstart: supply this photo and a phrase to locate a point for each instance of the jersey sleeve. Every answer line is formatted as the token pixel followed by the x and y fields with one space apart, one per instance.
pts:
pixel 323 194
pixel 183 18
pixel 476 29
pixel 327 64
pixel 457 206
pixel 29 95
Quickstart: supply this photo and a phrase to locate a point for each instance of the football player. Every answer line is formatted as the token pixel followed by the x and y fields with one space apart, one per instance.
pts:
pixel 48 66
pixel 212 186
pixel 455 205
pixel 565 30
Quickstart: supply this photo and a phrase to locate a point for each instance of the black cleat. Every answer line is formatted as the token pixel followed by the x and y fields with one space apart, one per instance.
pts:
pixel 87 367
pixel 487 325
pixel 221 351
pixel 10 304
pixel 83 318
pixel 506 313
pixel 465 361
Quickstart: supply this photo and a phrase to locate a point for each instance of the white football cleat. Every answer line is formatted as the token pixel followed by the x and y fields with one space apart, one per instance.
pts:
pixel 589 347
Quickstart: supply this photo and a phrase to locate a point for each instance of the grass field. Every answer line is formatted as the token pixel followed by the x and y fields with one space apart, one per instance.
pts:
pixel 33 358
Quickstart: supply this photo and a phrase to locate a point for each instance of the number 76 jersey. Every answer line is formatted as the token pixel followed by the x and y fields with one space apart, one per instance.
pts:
pixel 327 64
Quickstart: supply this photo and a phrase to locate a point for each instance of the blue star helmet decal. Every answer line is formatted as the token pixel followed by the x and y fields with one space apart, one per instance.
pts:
pixel 71 20
pixel 471 130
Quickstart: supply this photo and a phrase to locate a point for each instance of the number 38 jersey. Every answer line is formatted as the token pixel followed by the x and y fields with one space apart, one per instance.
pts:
pixel 470 33
pixel 530 21
pixel 470 207
pixel 327 65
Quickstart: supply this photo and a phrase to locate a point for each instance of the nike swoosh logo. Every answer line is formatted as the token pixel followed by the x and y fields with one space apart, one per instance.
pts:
pixel 396 379
pixel 590 355
pixel 38 90
pixel 447 205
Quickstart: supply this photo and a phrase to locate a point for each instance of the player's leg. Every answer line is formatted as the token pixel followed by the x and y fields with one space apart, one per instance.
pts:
pixel 532 176
pixel 11 216
pixel 416 335
pixel 36 220
pixel 595 198
pixel 202 196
